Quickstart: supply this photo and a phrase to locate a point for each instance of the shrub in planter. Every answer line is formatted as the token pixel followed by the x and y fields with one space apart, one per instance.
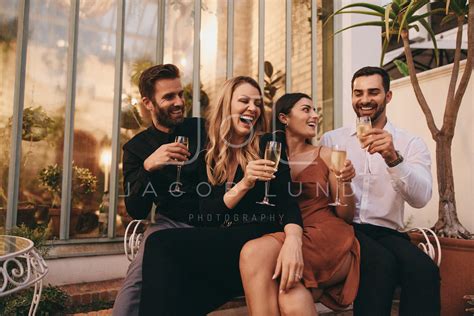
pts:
pixel 84 183
pixel 53 302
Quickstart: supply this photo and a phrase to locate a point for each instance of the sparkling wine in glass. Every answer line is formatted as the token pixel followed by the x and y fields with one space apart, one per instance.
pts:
pixel 177 187
pixel 338 157
pixel 363 125
pixel 273 153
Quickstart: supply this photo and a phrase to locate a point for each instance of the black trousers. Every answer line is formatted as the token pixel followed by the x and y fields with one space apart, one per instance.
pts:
pixel 388 260
pixel 192 271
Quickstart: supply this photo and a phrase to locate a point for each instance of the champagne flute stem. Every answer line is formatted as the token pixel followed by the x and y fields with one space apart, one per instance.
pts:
pixel 178 176
pixel 267 187
pixel 365 164
pixel 337 191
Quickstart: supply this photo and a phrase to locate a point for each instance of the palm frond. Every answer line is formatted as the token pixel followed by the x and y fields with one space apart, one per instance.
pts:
pixel 370 23
pixel 369 6
pixel 415 18
pixel 404 19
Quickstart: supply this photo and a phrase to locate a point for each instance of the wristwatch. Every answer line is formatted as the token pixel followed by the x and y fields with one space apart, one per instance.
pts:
pixel 397 161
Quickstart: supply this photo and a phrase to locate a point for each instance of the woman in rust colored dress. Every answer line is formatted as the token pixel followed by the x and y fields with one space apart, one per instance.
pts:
pixel 330 250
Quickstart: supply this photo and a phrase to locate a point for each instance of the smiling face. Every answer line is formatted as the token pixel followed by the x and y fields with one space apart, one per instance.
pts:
pixel 369 98
pixel 246 108
pixel 167 106
pixel 302 121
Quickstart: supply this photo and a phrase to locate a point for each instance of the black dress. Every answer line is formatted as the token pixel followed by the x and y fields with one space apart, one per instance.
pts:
pixel 192 271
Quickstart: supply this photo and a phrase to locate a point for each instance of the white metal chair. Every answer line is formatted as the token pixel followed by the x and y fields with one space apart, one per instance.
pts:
pixel 433 251
pixel 133 237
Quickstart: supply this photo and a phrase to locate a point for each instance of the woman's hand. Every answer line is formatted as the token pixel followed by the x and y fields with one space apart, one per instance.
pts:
pixel 348 172
pixel 260 169
pixel 290 263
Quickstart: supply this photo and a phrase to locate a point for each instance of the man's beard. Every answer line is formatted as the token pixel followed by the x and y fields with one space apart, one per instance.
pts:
pixel 379 110
pixel 163 116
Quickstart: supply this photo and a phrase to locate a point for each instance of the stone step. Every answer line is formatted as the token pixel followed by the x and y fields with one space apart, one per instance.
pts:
pixel 106 291
pixel 85 294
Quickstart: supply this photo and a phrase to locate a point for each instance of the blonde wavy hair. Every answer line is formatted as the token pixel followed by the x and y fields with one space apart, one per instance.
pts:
pixel 219 150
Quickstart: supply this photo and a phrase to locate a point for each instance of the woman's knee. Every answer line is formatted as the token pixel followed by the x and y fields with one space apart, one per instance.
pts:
pixel 298 301
pixel 257 256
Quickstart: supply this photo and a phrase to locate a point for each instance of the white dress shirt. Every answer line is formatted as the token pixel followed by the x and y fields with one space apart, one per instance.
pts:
pixel 381 195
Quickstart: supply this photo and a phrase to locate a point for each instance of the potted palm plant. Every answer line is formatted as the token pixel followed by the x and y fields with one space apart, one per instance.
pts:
pixel 395 20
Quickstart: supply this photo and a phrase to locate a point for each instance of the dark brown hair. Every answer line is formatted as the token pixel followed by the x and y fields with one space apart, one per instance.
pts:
pixel 151 75
pixel 370 71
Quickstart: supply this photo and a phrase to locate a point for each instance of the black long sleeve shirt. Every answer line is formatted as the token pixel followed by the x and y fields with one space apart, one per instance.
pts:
pixel 143 188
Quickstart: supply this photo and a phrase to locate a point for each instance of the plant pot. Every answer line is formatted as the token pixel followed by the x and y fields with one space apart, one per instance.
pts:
pixel 87 222
pixel 26 215
pixel 457 273
pixel 54 221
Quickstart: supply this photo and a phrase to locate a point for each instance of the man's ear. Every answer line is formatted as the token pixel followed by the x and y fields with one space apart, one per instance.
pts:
pixel 388 96
pixel 148 104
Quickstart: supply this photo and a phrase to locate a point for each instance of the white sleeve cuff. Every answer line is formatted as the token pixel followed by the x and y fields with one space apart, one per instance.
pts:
pixel 400 171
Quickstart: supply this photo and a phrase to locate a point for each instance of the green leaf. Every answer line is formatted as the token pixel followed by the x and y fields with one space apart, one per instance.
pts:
pixel 369 6
pixel 384 50
pixel 454 5
pixel 448 18
pixel 427 26
pixel 371 23
pixel 405 16
pixel 402 67
pixel 268 68
pixel 415 18
pixel 364 12
pixel 388 9
pixel 414 26
pixel 417 5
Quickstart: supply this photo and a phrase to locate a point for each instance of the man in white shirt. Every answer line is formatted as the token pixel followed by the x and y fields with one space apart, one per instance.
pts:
pixel 393 167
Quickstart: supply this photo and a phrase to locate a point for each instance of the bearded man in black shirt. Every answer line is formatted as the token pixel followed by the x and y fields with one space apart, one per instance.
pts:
pixel 150 161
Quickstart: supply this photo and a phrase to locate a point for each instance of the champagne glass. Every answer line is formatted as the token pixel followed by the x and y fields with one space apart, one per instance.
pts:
pixel 363 125
pixel 177 188
pixel 338 157
pixel 272 152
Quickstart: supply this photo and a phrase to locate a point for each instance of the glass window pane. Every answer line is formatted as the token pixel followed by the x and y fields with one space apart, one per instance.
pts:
pixel 140 52
pixel 43 117
pixel 325 62
pixel 246 38
pixel 179 39
pixel 275 31
pixel 8 31
pixel 93 118
pixel 301 47
pixel 213 50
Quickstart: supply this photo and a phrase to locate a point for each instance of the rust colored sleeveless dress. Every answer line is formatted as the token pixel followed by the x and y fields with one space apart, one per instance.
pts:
pixel 327 239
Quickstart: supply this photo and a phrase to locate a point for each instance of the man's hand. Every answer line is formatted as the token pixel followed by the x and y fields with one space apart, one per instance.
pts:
pixel 289 263
pixel 259 169
pixel 168 154
pixel 380 141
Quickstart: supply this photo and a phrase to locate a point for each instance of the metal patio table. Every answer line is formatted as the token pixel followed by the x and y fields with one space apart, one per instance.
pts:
pixel 21 266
